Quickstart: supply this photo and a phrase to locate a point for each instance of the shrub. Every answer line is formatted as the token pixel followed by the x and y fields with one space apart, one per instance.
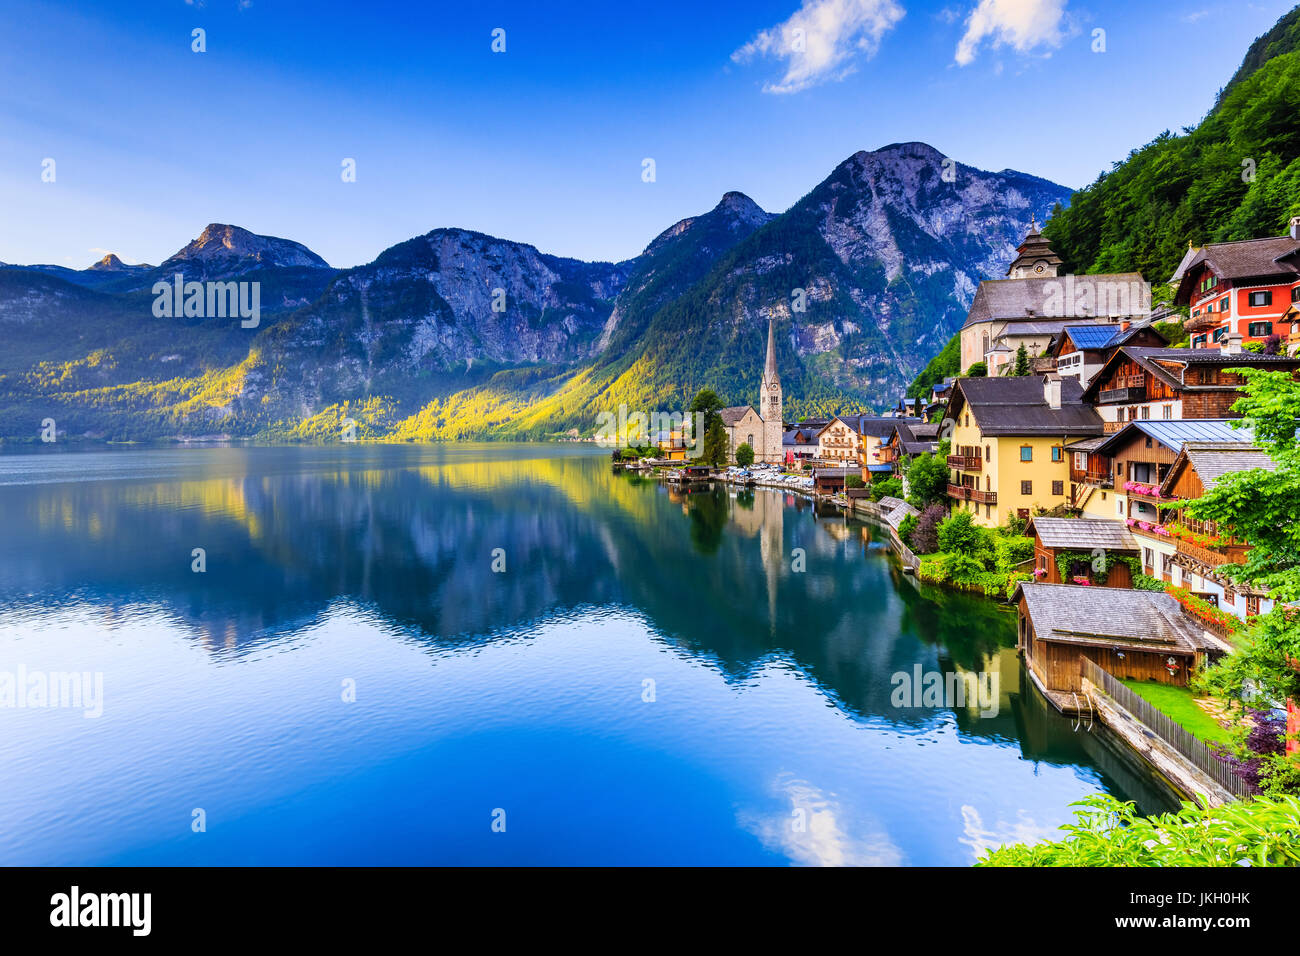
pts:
pixel 905 529
pixel 1011 550
pixel 960 534
pixel 890 487
pixel 925 537
pixel 744 455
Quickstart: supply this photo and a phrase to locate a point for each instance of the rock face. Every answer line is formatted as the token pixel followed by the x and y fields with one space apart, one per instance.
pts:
pixel 223 251
pixel 866 277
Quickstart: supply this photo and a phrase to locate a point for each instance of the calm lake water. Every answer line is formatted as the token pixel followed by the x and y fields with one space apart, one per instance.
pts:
pixel 646 678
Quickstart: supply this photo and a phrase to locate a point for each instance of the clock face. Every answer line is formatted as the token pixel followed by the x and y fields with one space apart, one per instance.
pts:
pixel 1039 268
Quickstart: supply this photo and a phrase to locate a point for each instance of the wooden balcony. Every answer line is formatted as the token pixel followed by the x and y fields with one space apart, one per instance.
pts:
pixel 965 462
pixel 966 493
pixel 1206 556
pixel 1134 393
pixel 1100 479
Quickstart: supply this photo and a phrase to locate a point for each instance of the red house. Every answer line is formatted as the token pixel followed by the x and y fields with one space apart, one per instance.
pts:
pixel 1244 287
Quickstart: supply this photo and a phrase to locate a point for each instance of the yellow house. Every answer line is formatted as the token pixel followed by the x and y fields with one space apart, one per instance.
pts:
pixel 1008 438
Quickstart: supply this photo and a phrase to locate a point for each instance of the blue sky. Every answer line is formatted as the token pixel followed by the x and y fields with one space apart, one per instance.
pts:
pixel 544 143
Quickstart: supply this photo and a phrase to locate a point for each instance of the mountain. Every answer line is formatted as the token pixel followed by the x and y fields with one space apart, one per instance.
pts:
pixel 1236 175
pixel 456 334
pixel 884 256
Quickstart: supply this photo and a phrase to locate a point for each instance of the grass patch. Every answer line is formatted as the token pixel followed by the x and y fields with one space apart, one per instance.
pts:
pixel 1179 704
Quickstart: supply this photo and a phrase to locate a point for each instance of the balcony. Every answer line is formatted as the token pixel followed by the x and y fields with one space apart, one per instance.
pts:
pixel 1134 393
pixel 1206 556
pixel 965 462
pixel 1099 478
pixel 966 493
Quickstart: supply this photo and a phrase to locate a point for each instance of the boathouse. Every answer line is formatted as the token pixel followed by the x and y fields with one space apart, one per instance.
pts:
pixel 1142 635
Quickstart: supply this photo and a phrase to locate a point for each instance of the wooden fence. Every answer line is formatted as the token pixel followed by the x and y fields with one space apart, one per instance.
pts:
pixel 1167 730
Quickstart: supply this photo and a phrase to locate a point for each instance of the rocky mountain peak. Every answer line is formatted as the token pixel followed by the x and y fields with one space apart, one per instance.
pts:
pixel 110 263
pixel 231 245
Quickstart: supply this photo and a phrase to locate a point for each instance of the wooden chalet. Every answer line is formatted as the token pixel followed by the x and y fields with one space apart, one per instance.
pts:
pixel 1077 542
pixel 1139 383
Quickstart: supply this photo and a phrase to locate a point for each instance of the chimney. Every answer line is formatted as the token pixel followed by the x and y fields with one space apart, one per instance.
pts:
pixel 1052 390
pixel 1295 228
pixel 1231 344
pixel 1124 324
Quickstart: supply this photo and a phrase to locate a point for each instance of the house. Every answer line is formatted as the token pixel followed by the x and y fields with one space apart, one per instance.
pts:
pixel 908 440
pixel 800 443
pixel 1035 303
pixel 671 444
pixel 1139 383
pixel 837 442
pixel 830 480
pixel 1243 287
pixel 907 408
pixel 1142 635
pixel 1066 549
pixel 744 427
pixel 1137 456
pixel 873 436
pixel 1201 548
pixel 1080 351
pixel 940 391
pixel 1008 443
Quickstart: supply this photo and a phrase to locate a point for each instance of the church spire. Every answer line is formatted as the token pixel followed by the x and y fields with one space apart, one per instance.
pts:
pixel 770 376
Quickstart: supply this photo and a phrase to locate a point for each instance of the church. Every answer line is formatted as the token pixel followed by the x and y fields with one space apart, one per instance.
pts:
pixel 762 430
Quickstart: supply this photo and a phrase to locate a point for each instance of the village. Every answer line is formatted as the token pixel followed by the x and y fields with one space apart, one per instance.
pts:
pixel 1059 461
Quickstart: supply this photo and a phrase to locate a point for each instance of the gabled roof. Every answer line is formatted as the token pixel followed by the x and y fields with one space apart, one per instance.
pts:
pixel 1097 336
pixel 735 413
pixel 1143 620
pixel 799 436
pixel 1018 406
pixel 1083 534
pixel 879 427
pixel 1168 365
pixel 1247 259
pixel 1212 460
pixel 1174 434
pixel 1033 299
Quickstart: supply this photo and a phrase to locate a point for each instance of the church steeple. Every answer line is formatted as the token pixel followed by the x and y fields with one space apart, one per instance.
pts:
pixel 770 376
pixel 1034 257
pixel 769 400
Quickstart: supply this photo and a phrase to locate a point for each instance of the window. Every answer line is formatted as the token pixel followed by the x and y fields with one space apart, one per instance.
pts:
pixel 1199 342
pixel 1259 299
pixel 1058 488
pixel 751 440
pixel 1148 441
pixel 988 455
pixel 1219 334
pixel 1119 469
pixel 1080 461
pixel 1146 411
pixel 988 511
pixel 1058 453
pixel 1026 487
pixel 1258 330
pixel 1223 305
pixel 1168 411
pixel 1295 294
pixel 1026 453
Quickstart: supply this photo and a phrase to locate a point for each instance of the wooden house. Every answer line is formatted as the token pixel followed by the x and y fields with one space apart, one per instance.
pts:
pixel 1077 543
pixel 1139 383
pixel 1144 635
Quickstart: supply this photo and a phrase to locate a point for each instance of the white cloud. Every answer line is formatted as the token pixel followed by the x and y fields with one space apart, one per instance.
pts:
pixel 1022 24
pixel 822 39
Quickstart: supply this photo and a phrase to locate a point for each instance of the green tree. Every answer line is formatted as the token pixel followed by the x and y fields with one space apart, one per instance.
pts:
pixel 744 454
pixel 927 479
pixel 1258 508
pixel 707 403
pixel 977 370
pixel 1022 362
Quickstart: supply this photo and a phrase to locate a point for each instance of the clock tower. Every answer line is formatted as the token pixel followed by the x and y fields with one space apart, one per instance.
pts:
pixel 769 402
pixel 1034 257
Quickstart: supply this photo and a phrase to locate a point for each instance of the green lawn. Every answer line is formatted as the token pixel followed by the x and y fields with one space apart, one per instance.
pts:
pixel 1178 703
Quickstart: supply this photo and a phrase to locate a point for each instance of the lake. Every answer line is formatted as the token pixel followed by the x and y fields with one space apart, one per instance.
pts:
pixel 494 654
